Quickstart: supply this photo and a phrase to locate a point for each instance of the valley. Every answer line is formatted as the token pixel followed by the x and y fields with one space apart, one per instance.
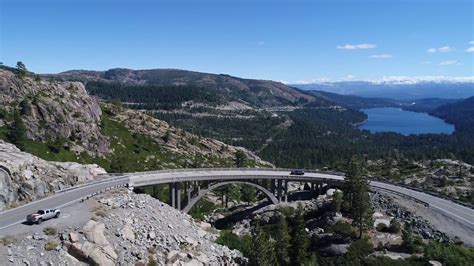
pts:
pixel 142 123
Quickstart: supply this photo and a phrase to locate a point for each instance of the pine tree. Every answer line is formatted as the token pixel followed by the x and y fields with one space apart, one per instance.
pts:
pixel 337 201
pixel 240 159
pixel 261 250
pixel 248 194
pixel 361 208
pixel 17 131
pixel 21 70
pixel 282 241
pixel 299 239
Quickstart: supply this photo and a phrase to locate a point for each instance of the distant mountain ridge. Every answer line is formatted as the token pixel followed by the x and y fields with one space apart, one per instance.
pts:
pixel 396 90
pixel 262 93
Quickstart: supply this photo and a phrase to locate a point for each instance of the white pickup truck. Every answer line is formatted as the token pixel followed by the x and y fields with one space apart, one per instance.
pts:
pixel 43 215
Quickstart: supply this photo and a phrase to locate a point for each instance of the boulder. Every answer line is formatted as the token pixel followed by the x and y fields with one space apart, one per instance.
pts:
pixel 74 237
pixel 94 232
pixel 127 232
pixel 335 250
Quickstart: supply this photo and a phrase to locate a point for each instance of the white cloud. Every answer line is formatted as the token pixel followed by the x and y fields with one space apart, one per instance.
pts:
pixel 381 56
pixel 443 49
pixel 356 46
pixel 448 63
pixel 261 43
pixel 471 42
pixel 425 62
pixel 470 49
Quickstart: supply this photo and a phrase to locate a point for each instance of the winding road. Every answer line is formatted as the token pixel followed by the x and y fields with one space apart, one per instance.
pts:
pixel 459 213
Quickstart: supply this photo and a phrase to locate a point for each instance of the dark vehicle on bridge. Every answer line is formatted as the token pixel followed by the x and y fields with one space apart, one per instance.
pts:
pixel 42 215
pixel 297 172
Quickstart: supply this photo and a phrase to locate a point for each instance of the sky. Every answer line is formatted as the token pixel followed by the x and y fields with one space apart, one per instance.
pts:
pixel 292 41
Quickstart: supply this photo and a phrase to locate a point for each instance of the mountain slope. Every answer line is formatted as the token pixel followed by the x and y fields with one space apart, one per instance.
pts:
pixel 461 114
pixel 400 90
pixel 262 93
pixel 59 121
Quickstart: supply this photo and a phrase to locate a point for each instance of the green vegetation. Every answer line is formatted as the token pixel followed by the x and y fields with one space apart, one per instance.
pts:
pixel 50 231
pixel 282 241
pixel 17 132
pixel 449 255
pixel 202 208
pixel 153 97
pixel 248 194
pixel 8 240
pixel 357 197
pixel 21 70
pixel 299 239
pixel 50 245
pixel 337 201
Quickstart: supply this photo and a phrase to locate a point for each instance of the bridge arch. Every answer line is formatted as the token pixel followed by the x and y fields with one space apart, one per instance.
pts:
pixel 202 193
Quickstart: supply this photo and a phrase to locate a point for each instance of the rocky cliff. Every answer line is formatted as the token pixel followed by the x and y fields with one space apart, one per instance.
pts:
pixel 24 177
pixel 179 141
pixel 132 230
pixel 54 110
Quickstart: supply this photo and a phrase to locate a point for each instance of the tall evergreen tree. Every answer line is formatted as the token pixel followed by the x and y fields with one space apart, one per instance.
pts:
pixel 337 201
pixel 299 239
pixel 17 131
pixel 282 241
pixel 360 205
pixel 248 193
pixel 21 70
pixel 261 250
pixel 240 159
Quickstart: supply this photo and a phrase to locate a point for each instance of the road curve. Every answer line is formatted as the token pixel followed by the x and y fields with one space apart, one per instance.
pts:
pixel 455 211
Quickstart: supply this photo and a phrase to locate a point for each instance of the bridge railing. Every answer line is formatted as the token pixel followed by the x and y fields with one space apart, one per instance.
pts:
pixel 180 170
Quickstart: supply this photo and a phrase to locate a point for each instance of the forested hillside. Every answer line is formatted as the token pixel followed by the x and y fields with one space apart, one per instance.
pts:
pixel 461 114
pixel 257 92
pixel 300 132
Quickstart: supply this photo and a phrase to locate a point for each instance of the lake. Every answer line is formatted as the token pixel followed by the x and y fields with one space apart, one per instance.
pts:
pixel 387 119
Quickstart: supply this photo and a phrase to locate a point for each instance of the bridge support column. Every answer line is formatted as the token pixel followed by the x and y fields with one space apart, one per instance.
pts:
pixel 286 190
pixel 272 186
pixel 178 196
pixel 172 192
pixel 279 190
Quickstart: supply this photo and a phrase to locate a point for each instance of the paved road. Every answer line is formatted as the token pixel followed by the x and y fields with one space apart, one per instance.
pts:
pixel 455 211
pixel 18 215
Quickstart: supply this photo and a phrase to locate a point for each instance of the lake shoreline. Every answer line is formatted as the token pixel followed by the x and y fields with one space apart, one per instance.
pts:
pixel 405 122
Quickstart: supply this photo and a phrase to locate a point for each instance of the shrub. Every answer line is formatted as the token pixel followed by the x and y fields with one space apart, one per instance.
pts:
pixel 7 240
pixel 395 226
pixel 50 231
pixel 360 248
pixel 50 245
pixel 449 254
pixel 101 213
pixel 152 261
pixel 381 227
pixel 341 228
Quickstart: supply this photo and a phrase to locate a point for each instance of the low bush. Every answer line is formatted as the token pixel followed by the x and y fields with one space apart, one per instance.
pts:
pixel 50 231
pixel 50 245
pixel 341 228
pixel 7 240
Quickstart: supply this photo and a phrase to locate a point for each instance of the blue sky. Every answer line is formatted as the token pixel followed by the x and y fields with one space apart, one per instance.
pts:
pixel 288 40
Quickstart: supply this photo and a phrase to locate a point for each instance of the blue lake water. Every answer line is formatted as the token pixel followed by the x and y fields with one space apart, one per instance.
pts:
pixel 387 119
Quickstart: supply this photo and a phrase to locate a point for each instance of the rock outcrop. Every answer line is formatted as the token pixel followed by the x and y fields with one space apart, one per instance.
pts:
pixel 178 140
pixel 54 110
pixel 24 177
pixel 136 230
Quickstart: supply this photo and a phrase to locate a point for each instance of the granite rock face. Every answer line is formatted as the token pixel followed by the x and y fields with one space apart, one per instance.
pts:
pixel 24 177
pixel 154 232
pixel 55 110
